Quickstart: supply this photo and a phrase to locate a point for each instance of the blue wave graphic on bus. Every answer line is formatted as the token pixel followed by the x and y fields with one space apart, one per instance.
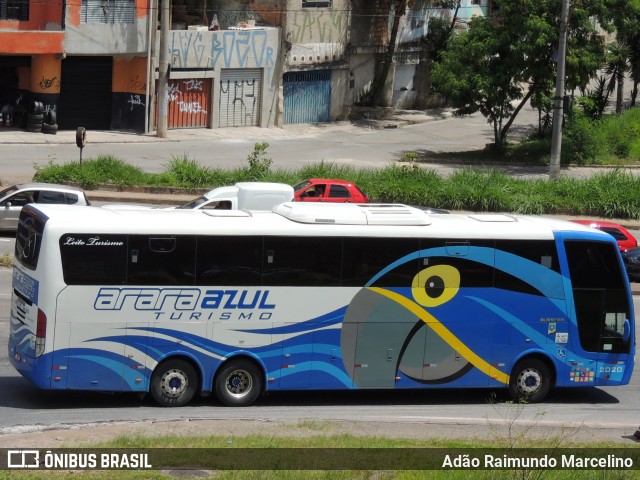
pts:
pixel 332 318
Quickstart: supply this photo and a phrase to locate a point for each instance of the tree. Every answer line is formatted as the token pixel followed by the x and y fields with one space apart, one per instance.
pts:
pixel 432 44
pixel 624 17
pixel 617 67
pixel 480 71
pixel 396 9
pixel 499 62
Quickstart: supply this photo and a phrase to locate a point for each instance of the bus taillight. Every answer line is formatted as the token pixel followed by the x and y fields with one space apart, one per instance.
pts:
pixel 41 332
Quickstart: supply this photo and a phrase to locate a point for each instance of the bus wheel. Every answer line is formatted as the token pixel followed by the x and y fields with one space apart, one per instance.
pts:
pixel 530 381
pixel 239 383
pixel 174 383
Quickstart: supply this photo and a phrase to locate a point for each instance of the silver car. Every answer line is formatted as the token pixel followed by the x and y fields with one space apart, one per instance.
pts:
pixel 12 200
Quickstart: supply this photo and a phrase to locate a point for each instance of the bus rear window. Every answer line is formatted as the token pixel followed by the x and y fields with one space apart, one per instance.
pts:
pixel 29 237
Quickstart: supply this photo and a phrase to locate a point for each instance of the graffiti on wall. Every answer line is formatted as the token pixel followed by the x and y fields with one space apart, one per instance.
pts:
pixel 188 102
pixel 137 85
pixel 317 27
pixel 316 37
pixel 47 83
pixel 135 100
pixel 191 86
pixel 222 49
pixel 240 101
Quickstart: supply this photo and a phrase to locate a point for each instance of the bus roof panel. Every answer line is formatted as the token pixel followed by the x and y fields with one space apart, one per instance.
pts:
pixel 352 214
pixel 295 219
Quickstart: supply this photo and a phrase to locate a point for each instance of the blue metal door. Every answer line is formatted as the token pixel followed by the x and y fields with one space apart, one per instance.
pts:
pixel 307 96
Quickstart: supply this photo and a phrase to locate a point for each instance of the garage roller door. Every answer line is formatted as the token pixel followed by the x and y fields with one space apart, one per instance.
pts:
pixel 240 97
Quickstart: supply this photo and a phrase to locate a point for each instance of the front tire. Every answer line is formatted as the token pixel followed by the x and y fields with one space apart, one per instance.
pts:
pixel 530 381
pixel 239 383
pixel 174 383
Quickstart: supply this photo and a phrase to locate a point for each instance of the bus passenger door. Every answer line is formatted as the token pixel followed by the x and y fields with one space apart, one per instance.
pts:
pixel 378 351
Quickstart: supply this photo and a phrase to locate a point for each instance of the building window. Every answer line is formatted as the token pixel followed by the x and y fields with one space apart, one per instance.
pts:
pixel 14 9
pixel 108 11
pixel 317 3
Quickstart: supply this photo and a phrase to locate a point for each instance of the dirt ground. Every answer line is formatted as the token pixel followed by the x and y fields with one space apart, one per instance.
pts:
pixel 516 433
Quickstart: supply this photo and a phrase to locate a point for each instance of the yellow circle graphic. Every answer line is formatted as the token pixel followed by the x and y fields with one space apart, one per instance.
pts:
pixel 435 285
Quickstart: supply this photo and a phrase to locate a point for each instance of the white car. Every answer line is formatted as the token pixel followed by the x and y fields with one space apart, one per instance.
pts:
pixel 12 200
pixel 241 196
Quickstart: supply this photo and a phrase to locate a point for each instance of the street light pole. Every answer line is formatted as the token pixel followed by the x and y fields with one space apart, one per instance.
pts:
pixel 163 70
pixel 556 135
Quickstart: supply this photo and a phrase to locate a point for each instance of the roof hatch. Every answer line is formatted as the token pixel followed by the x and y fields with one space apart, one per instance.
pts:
pixel 493 218
pixel 352 214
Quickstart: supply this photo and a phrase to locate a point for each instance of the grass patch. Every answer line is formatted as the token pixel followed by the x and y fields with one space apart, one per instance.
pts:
pixel 613 194
pixel 225 445
pixel 6 260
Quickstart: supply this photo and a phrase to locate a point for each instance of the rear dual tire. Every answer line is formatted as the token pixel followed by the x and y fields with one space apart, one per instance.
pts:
pixel 239 383
pixel 174 383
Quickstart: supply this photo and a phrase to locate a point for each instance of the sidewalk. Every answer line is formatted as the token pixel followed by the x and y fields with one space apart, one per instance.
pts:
pixel 399 119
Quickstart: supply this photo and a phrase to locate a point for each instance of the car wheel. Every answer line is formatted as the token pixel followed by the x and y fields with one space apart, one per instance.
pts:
pixel 530 381
pixel 238 383
pixel 174 383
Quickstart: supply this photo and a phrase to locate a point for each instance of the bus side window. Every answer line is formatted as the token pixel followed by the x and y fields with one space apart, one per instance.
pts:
pixel 229 260
pixel 302 261
pixel 84 263
pixel 161 260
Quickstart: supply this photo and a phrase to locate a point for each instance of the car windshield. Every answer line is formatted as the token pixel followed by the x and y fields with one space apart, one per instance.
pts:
pixel 301 185
pixel 7 191
pixel 195 203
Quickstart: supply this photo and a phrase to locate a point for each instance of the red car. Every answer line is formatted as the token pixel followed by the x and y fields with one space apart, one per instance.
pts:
pixel 327 190
pixel 623 237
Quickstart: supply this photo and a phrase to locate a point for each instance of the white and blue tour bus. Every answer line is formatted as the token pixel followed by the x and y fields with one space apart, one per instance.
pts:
pixel 313 296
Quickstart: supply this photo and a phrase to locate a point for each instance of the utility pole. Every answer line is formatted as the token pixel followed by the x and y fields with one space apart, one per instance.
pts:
pixel 163 70
pixel 556 135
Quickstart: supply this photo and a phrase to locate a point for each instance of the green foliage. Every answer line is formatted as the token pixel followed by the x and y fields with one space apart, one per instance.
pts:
pixel 542 100
pixel 595 101
pixel 614 194
pixel 487 67
pixel 6 260
pixel 102 170
pixel 259 162
pixel 579 143
pixel 612 139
